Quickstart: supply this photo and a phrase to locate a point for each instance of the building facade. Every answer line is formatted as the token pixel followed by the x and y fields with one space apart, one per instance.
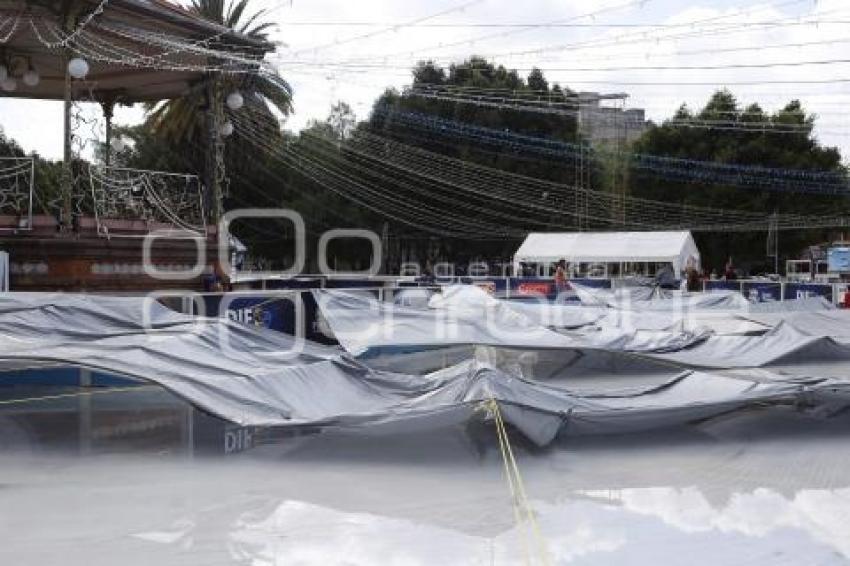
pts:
pixel 603 119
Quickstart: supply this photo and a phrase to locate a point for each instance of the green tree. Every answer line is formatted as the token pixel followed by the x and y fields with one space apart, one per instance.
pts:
pixel 47 174
pixel 725 133
pixel 182 119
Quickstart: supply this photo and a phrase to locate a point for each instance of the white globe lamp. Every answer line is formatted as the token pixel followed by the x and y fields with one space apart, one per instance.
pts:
pixel 78 68
pixel 235 100
pixel 226 129
pixel 31 78
pixel 9 84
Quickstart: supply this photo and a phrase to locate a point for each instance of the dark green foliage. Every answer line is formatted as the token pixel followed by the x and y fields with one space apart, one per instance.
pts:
pixel 727 143
pixel 47 174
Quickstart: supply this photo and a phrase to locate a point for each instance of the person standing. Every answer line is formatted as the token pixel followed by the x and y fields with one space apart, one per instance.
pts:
pixel 561 276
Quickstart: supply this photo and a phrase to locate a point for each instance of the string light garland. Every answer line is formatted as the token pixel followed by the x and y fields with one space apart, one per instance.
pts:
pixel 79 29
pixel 356 170
pixel 630 37
pixel 832 182
pixel 391 28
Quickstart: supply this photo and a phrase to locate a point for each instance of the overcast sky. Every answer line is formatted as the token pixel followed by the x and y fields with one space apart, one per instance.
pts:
pixel 354 63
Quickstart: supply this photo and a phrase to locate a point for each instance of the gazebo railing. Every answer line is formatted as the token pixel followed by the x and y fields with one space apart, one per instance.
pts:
pixel 17 179
pixel 122 197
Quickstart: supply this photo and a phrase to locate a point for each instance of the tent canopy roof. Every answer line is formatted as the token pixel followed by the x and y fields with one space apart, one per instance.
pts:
pixel 602 247
pixel 125 66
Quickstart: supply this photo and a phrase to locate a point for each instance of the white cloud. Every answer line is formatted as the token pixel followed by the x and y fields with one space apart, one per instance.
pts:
pixel 38 125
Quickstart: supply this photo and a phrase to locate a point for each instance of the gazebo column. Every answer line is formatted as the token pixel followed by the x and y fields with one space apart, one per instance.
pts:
pixel 108 107
pixel 214 151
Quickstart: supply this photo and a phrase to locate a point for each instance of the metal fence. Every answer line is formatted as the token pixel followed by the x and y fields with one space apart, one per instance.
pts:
pixel 17 178
pixel 167 200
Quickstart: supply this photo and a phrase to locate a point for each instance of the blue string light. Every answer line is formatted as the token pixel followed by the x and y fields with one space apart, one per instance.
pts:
pixel 672 168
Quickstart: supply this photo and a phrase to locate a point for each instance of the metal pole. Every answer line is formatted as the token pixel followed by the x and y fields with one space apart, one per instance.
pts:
pixel 67 183
pixel 108 107
pixel 776 243
pixel 32 189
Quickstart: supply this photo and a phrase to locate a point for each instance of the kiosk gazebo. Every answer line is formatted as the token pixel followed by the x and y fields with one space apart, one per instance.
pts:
pixel 112 52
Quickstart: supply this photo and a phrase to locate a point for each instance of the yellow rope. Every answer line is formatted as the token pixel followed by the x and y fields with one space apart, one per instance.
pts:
pixel 69 395
pixel 515 504
pixel 519 497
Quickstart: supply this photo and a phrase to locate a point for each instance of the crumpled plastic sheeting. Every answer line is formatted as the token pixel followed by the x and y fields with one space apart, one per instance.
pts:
pixel 783 344
pixel 669 311
pixel 651 299
pixel 832 323
pixel 473 317
pixel 472 301
pixel 365 326
pixel 251 379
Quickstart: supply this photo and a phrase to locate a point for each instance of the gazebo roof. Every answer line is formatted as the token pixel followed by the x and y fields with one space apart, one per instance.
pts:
pixel 137 50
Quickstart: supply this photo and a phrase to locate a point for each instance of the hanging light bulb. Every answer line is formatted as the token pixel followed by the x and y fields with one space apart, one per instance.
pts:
pixel 226 129
pixel 31 77
pixel 235 100
pixel 78 67
pixel 9 84
pixel 4 72
pixel 117 144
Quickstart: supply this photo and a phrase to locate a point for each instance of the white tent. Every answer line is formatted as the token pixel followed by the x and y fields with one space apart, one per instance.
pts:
pixel 677 248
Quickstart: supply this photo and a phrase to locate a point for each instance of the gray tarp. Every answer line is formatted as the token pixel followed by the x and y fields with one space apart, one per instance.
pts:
pixel 653 298
pixel 364 325
pixel 251 376
pixel 717 332
pixel 783 343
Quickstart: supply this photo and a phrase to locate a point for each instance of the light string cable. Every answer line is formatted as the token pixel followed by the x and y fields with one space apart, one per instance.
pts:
pixel 562 108
pixel 14 22
pixel 69 37
pixel 451 176
pixel 827 182
pixel 391 28
pixel 409 211
pixel 520 189
pixel 627 38
pixel 254 132
pixel 814 181
pixel 512 32
pixel 558 99
pixel 381 203
pixel 493 179
pixel 353 190
pixel 513 206
pixel 435 190
pixel 97 47
pixel 775 179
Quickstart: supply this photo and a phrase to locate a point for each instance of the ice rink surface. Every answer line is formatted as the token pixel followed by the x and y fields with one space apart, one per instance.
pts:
pixel 749 488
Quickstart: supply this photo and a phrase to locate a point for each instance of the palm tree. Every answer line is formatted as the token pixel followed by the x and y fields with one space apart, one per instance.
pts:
pixel 182 120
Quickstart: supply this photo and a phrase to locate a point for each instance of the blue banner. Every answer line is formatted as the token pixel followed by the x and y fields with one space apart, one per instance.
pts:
pixel 758 292
pixel 805 290
pixel 722 285
pixel 594 283
pixel 838 260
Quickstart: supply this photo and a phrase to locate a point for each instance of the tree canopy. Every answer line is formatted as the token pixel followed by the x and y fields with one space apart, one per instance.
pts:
pixel 725 132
